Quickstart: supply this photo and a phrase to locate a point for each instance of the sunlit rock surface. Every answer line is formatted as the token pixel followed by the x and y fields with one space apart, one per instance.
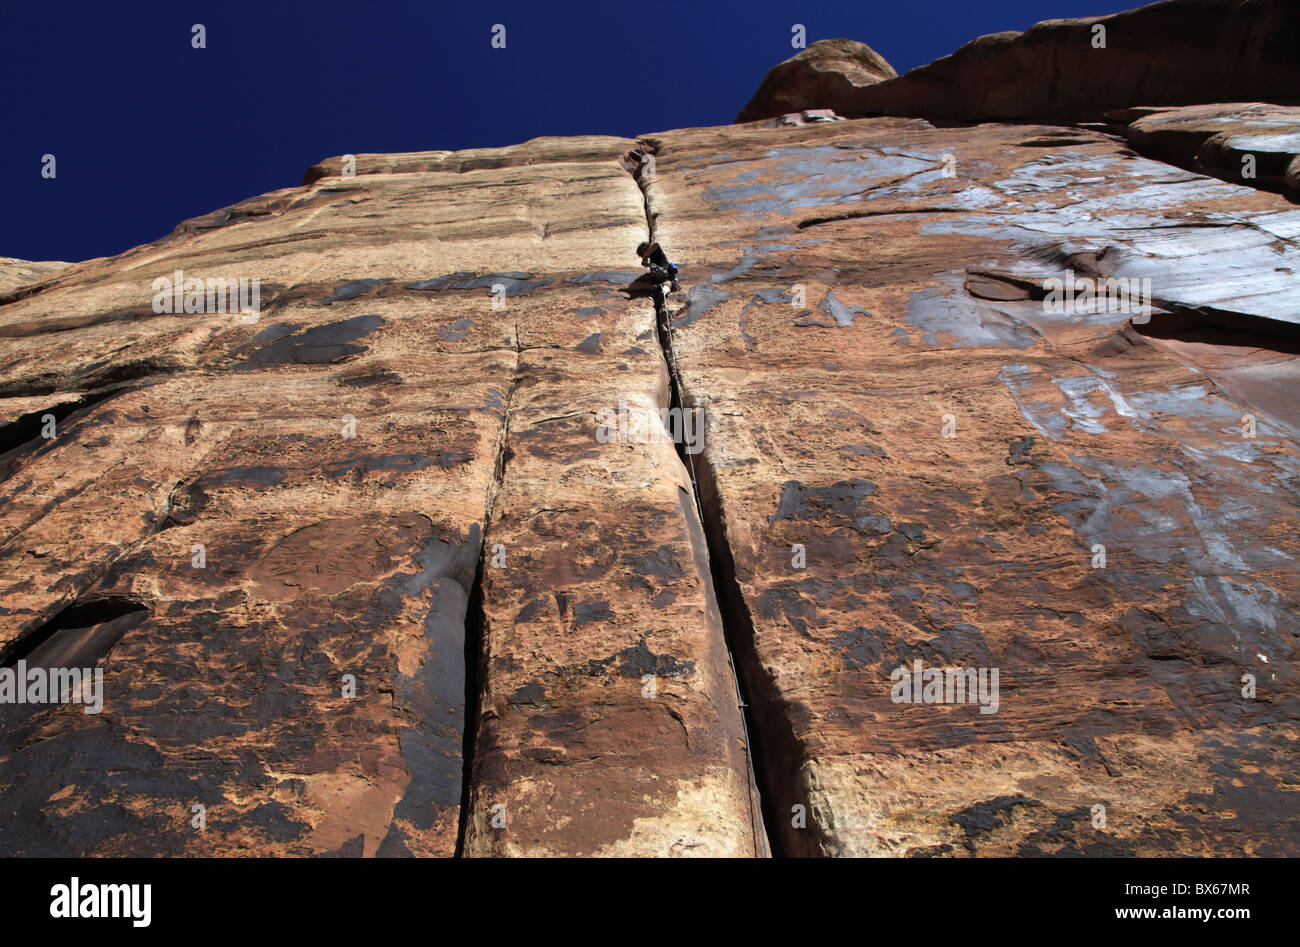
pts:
pixel 828 71
pixel 1250 143
pixel 394 556
pixel 860 290
pixel 15 275
pixel 284 509
pixel 1176 52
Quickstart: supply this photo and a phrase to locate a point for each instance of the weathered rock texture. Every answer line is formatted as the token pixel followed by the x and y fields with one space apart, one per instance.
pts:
pixel 848 298
pixel 407 565
pixel 1179 52
pixel 1247 143
pixel 336 461
pixel 18 274
pixel 829 70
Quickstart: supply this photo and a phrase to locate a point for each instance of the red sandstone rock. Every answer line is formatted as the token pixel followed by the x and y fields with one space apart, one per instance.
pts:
pixel 336 461
pixel 826 72
pixel 1176 52
pixel 1254 144
pixel 321 555
pixel 16 275
pixel 835 324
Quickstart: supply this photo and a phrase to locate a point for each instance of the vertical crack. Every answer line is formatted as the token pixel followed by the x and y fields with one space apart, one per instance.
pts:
pixel 474 674
pixel 776 753
pixel 737 628
pixel 476 655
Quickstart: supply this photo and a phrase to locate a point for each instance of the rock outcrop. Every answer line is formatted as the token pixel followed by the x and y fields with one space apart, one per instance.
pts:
pixel 17 274
pixel 1254 144
pixel 444 534
pixel 828 71
pixel 1177 52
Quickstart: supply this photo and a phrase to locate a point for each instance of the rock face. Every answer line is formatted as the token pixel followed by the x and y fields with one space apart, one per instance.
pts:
pixel 828 71
pixel 290 513
pixel 419 550
pixel 17 274
pixel 1179 52
pixel 1247 143
pixel 912 459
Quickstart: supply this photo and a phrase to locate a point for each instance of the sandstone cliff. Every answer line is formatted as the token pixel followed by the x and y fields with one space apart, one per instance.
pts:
pixel 1176 52
pixel 16 274
pixel 403 562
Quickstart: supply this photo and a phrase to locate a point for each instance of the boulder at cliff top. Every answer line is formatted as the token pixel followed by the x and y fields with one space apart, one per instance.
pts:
pixel 1177 52
pixel 826 72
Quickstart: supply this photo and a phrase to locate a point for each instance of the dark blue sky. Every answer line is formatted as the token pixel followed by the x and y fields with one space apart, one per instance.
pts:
pixel 148 131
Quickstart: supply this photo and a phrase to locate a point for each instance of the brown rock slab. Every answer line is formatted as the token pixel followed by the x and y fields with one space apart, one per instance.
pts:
pixel 1175 52
pixel 18 274
pixel 1251 143
pixel 266 528
pixel 609 722
pixel 855 287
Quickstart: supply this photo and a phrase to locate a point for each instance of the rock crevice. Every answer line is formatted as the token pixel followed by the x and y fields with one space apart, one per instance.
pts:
pixel 411 563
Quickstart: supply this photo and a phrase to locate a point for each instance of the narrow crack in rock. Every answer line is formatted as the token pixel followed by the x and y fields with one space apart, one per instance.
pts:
pixel 475 617
pixel 715 542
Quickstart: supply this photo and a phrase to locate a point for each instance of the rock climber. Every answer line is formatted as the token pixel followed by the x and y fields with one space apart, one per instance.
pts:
pixel 661 271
